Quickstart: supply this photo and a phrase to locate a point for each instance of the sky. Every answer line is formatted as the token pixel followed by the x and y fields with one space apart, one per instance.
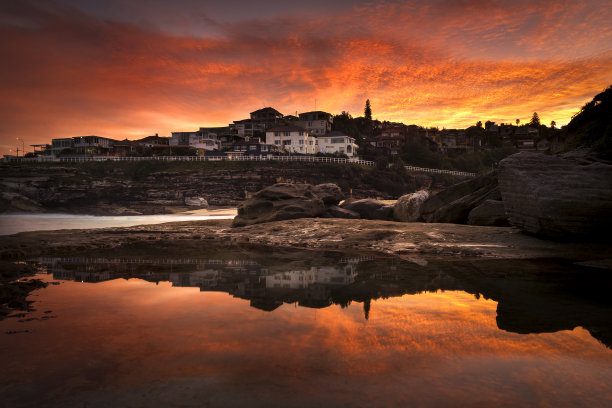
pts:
pixel 127 69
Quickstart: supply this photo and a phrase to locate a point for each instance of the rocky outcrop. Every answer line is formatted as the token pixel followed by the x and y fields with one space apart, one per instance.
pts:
pixel 369 208
pixel 557 197
pixel 154 187
pixel 489 213
pixel 281 201
pixel 408 207
pixel 454 204
pixel 330 193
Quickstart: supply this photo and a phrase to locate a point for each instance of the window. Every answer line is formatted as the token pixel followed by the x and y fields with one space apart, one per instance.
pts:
pixel 301 133
pixel 276 133
pixel 286 142
pixel 264 148
pixel 287 134
pixel 253 147
pixel 277 142
pixel 301 141
pixel 301 148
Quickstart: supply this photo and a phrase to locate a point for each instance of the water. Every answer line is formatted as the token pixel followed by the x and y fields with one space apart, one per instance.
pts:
pixel 266 328
pixel 14 223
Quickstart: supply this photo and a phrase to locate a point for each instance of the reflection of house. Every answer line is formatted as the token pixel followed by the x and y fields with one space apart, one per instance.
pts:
pixel 316 123
pixel 292 139
pixel 300 279
pixel 337 142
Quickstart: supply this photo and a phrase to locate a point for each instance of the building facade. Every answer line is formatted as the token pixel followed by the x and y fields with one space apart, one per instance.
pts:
pixel 337 142
pixel 317 123
pixel 292 139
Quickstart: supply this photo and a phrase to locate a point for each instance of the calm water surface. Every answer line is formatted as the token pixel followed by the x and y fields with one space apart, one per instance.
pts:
pixel 303 329
pixel 14 223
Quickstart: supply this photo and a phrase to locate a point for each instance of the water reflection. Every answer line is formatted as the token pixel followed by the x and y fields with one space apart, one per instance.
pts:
pixel 193 330
pixel 532 296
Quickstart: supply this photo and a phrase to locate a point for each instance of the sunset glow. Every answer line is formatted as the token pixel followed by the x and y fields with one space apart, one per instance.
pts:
pixel 122 70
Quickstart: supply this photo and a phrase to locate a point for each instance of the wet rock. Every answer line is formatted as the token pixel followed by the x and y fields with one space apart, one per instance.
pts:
pixel 369 208
pixel 454 204
pixel 281 201
pixel 337 212
pixel 330 193
pixel 489 213
pixel 557 197
pixel 196 202
pixel 408 207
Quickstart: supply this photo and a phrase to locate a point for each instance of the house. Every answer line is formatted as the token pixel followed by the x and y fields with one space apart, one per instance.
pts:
pixel 316 123
pixel 197 140
pixel 337 142
pixel 268 116
pixel 247 128
pixel 254 147
pixel 92 144
pixel 392 139
pixel 525 138
pixel 292 139
pixel 82 145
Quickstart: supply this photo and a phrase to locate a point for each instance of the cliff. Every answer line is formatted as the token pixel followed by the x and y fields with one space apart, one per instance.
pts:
pixel 152 187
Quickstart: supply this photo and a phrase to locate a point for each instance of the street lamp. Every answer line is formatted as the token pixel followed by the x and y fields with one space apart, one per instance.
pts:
pixel 22 148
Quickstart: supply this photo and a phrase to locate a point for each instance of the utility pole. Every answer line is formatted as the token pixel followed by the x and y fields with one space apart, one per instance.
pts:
pixel 22 147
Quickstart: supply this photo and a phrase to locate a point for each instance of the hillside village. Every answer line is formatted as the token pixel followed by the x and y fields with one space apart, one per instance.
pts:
pixel 267 132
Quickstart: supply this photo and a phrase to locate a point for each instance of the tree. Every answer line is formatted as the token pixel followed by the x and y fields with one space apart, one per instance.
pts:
pixel 553 124
pixel 479 124
pixel 518 121
pixel 535 120
pixel 367 112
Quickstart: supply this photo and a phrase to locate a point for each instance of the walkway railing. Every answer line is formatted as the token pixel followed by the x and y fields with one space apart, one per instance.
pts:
pixel 42 159
pixel 440 171
pixel 317 159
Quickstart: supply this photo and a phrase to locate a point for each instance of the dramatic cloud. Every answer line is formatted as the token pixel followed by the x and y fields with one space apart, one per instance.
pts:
pixel 72 68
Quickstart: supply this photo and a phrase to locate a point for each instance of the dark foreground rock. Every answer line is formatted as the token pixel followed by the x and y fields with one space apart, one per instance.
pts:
pixel 278 202
pixel 336 212
pixel 557 197
pixel 369 209
pixel 491 212
pixel 454 204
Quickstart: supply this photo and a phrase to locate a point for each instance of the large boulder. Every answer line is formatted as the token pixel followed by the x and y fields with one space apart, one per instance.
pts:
pixel 337 212
pixel 196 202
pixel 557 197
pixel 281 201
pixel 330 193
pixel 454 204
pixel 408 207
pixel 369 208
pixel 489 213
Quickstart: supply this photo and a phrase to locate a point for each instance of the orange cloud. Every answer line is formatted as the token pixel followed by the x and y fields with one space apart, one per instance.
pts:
pixel 68 73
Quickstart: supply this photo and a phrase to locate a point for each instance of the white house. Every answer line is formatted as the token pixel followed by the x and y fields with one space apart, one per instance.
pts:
pixel 292 139
pixel 194 139
pixel 337 142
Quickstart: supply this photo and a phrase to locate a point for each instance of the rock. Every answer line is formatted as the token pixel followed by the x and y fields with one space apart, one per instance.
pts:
pixel 14 202
pixel 337 212
pixel 408 207
pixel 281 201
pixel 196 202
pixel 330 193
pixel 557 197
pixel 454 204
pixel 369 209
pixel 489 213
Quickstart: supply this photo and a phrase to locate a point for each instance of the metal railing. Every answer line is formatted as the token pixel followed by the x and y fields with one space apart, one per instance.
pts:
pixel 440 171
pixel 42 159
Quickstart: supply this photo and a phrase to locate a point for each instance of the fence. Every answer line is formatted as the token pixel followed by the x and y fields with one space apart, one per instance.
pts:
pixel 43 159
pixel 440 171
